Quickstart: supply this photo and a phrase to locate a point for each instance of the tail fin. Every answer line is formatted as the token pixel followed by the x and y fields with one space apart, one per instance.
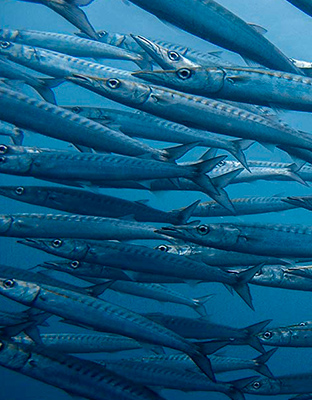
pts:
pixel 224 180
pixel 241 286
pixel 234 393
pixel 182 215
pixel 211 346
pixel 199 304
pixel 292 172
pixel 176 152
pixel 260 363
pixel 18 138
pixel 203 364
pixel 253 330
pixel 45 88
pixel 237 147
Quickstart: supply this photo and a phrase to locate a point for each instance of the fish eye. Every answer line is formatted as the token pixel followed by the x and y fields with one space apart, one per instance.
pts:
pixel 76 110
pixel 102 34
pixel 3 149
pixel 184 73
pixel 173 56
pixel 5 45
pixel 162 247
pixel 113 83
pixel 267 335
pixel 1 346
pixel 74 264
pixel 256 385
pixel 9 283
pixel 57 243
pixel 302 324
pixel 221 163
pixel 203 229
pixel 19 190
pixel 2 160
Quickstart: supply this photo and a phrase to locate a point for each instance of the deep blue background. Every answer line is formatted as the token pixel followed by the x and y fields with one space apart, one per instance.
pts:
pixel 290 30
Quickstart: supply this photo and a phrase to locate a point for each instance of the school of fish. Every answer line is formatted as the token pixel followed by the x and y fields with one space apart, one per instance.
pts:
pixel 199 105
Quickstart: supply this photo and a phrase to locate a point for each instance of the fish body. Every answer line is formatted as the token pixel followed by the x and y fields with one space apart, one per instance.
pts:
pixel 55 122
pixel 103 167
pixel 82 342
pixel 147 126
pixel 67 44
pixel 56 225
pixel 73 375
pixel 275 240
pixel 212 22
pixel 56 64
pixel 100 315
pixel 247 85
pixel 88 203
pixel 195 111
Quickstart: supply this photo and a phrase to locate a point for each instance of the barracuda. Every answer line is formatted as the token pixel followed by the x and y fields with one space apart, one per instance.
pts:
pixel 247 85
pixel 275 240
pixel 71 12
pixel 288 336
pixel 203 329
pixel 52 121
pixel 212 22
pixel 71 374
pixel 100 315
pixel 143 259
pixel 79 226
pixel 68 44
pixel 144 125
pixel 151 375
pixel 219 363
pixel 88 203
pixel 195 111
pixel 82 342
pixel 56 64
pixel 104 167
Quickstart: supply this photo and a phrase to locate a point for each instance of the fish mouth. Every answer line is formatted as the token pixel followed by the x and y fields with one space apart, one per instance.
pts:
pixel 146 44
pixel 154 77
pixel 79 78
pixel 29 242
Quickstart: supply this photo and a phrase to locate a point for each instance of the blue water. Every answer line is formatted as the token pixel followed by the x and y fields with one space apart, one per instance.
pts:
pixel 290 30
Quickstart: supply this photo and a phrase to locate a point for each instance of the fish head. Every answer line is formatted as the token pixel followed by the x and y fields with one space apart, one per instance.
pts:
pixel 88 112
pixel 275 337
pixel 15 150
pixel 70 267
pixel 14 51
pixel 273 274
pixel 165 58
pixel 21 291
pixel 121 90
pixel 262 385
pixel 180 250
pixel 15 164
pixel 302 325
pixel 67 248
pixel 27 194
pixel 190 80
pixel 215 235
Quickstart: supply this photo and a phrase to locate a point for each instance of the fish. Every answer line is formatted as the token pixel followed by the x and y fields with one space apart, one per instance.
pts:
pixel 277 240
pixel 68 44
pixel 53 121
pixel 100 315
pixel 147 126
pixel 88 203
pixel 105 167
pixel 52 225
pixel 214 23
pixel 287 336
pixel 144 259
pixel 194 111
pixel 71 11
pixel 219 363
pixel 81 342
pixel 184 380
pixel 248 85
pixel 203 329
pixel 71 374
